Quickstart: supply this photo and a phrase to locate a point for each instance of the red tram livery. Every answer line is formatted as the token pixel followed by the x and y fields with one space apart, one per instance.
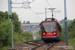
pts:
pixel 50 29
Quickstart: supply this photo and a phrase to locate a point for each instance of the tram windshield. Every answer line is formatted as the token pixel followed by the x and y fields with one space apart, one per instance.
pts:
pixel 49 26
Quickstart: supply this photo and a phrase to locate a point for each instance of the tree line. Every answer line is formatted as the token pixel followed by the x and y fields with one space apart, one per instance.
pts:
pixel 5 30
pixel 27 22
pixel 71 31
pixel 62 22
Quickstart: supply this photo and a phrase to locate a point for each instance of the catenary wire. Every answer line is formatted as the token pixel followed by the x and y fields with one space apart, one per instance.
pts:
pixel 36 14
pixel 48 4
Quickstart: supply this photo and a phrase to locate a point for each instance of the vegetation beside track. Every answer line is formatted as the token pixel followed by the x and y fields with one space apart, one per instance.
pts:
pixel 5 47
pixel 71 32
pixel 19 36
pixel 38 35
pixel 72 41
pixel 5 31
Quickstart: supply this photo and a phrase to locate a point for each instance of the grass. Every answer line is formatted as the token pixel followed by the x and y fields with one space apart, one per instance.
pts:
pixel 5 47
pixel 1 43
pixel 72 41
pixel 36 34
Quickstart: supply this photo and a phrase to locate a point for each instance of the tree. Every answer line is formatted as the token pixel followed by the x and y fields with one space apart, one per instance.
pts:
pixel 6 15
pixel 5 31
pixel 71 29
pixel 16 23
pixel 27 35
pixel 1 14
pixel 63 22
pixel 23 22
pixel 5 27
pixel 28 22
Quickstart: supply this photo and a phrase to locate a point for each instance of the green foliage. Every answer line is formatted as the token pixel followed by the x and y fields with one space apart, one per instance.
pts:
pixel 6 15
pixel 62 36
pixel 5 47
pixel 27 36
pixel 5 30
pixel 71 29
pixel 38 35
pixel 24 36
pixel 28 22
pixel 71 32
pixel 23 22
pixel 72 41
pixel 16 23
pixel 1 14
pixel 1 43
pixel 62 22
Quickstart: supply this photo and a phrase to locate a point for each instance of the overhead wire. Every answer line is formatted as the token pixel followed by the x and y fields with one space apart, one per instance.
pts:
pixel 36 14
pixel 41 10
pixel 48 3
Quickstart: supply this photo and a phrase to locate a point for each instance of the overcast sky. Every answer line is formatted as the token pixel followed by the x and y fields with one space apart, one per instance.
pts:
pixel 39 6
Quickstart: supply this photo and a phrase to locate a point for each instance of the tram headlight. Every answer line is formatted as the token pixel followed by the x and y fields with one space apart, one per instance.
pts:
pixel 54 33
pixel 43 33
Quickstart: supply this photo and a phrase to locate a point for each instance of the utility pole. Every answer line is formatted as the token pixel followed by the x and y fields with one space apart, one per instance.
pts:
pixel 66 30
pixel 11 17
pixel 45 13
pixel 25 5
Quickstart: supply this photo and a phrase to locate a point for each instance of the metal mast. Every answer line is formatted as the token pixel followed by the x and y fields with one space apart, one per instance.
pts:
pixel 66 30
pixel 45 13
pixel 25 5
pixel 11 17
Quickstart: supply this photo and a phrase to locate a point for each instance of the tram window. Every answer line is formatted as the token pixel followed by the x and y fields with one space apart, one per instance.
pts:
pixel 59 27
pixel 49 26
pixel 39 25
pixel 44 30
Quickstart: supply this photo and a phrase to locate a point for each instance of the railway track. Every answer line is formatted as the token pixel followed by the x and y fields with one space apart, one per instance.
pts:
pixel 43 46
pixel 50 46
pixel 37 45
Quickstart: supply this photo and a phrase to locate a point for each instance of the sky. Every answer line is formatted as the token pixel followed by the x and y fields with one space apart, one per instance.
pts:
pixel 38 6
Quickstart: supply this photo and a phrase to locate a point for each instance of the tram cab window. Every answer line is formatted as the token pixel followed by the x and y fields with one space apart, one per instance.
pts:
pixel 49 26
pixel 39 25
pixel 59 27
pixel 44 30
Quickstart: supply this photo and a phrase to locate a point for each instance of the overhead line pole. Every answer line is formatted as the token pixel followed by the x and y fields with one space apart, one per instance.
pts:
pixel 45 13
pixel 66 30
pixel 10 13
pixel 11 18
